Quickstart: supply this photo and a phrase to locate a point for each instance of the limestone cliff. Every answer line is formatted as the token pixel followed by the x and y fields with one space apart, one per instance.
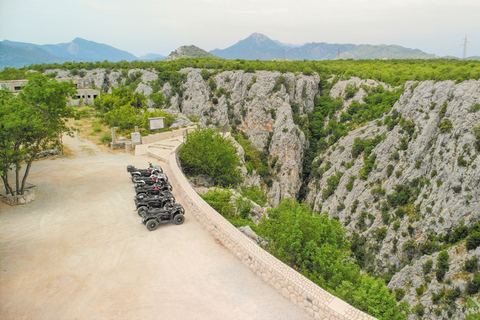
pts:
pixel 424 183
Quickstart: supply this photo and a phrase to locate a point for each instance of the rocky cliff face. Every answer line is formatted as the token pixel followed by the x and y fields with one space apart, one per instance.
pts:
pixel 424 182
pixel 258 105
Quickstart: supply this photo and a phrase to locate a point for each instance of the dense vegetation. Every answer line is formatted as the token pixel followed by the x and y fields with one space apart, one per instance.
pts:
pixel 124 108
pixel 393 72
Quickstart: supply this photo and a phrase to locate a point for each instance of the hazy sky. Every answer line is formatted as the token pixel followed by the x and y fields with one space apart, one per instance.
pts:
pixel 148 26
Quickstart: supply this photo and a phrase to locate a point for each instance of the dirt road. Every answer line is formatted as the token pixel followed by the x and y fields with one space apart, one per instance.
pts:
pixel 80 251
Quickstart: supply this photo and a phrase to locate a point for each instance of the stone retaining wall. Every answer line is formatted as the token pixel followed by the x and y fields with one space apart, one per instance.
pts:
pixel 163 136
pixel 292 285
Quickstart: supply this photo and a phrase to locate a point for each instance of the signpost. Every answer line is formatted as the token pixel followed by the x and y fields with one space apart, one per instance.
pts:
pixel 157 123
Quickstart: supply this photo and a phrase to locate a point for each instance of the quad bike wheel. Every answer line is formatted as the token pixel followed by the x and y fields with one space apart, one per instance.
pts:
pixel 179 218
pixel 141 211
pixel 152 224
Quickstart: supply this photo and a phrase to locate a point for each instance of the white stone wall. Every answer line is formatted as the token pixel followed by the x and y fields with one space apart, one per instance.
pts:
pixel 292 285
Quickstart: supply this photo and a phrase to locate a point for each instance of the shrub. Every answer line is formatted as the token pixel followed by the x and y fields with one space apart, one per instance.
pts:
pixel 390 169
pixel 206 152
pixel 476 107
pixel 399 294
pixel 471 265
pixel 418 309
pixel 332 183
pixel 443 265
pixel 106 137
pixel 219 199
pixel 400 197
pixel 409 249
pixel 473 286
pixel 396 225
pixel 445 126
pixel 473 241
pixel 462 162
pixel 256 194
pixel 427 267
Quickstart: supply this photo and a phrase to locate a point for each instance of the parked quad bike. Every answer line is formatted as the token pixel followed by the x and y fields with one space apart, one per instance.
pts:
pixel 154 178
pixel 153 217
pixel 137 173
pixel 151 190
pixel 156 201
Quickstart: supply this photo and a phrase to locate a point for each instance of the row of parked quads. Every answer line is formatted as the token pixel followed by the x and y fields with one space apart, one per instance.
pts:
pixel 154 200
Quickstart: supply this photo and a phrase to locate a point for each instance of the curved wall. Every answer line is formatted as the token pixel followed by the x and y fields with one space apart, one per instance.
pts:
pixel 319 303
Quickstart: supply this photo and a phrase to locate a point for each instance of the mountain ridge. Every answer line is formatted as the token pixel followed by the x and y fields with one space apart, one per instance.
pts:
pixel 257 46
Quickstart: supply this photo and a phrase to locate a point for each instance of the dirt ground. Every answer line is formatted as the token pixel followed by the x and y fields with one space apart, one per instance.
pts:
pixel 80 251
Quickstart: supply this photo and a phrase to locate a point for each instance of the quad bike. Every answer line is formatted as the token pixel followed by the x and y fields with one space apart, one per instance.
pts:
pixel 153 217
pixel 155 201
pixel 151 190
pixel 151 170
pixel 158 177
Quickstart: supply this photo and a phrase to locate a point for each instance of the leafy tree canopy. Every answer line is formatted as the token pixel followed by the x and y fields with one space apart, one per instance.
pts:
pixel 31 122
pixel 317 247
pixel 206 152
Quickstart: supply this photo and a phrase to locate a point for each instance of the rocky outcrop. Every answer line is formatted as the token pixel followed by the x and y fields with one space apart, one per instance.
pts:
pixel 431 158
pixel 257 105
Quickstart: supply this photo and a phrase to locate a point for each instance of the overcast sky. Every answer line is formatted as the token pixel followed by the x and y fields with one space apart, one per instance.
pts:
pixel 161 26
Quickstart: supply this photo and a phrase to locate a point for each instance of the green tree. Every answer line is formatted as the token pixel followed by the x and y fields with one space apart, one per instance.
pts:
pixel 31 122
pixel 317 247
pixel 206 152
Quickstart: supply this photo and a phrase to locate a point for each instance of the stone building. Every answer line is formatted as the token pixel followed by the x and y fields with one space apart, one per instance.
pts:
pixel 85 94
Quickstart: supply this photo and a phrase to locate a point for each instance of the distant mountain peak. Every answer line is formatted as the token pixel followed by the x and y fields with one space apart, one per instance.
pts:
pixel 258 37
pixel 189 52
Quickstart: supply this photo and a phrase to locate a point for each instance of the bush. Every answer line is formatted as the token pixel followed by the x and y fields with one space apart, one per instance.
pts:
pixel 399 294
pixel 419 309
pixel 317 247
pixel 390 169
pixel 473 241
pixel 256 194
pixel 443 265
pixel 401 196
pixel 445 126
pixel 427 267
pixel 332 183
pixel 206 152
pixel 471 265
pixel 219 199
pixel 473 286
pixel 462 162
pixel 106 137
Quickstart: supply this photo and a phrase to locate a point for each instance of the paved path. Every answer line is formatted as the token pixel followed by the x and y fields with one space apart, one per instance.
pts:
pixel 79 251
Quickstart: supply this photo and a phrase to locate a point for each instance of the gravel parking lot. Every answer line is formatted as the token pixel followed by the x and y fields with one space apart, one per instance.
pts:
pixel 80 251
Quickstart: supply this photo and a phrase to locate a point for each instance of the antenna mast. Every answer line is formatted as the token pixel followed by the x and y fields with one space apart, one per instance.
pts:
pixel 465 48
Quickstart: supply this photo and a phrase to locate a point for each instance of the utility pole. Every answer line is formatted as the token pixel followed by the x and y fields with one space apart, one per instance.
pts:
pixel 338 54
pixel 465 48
